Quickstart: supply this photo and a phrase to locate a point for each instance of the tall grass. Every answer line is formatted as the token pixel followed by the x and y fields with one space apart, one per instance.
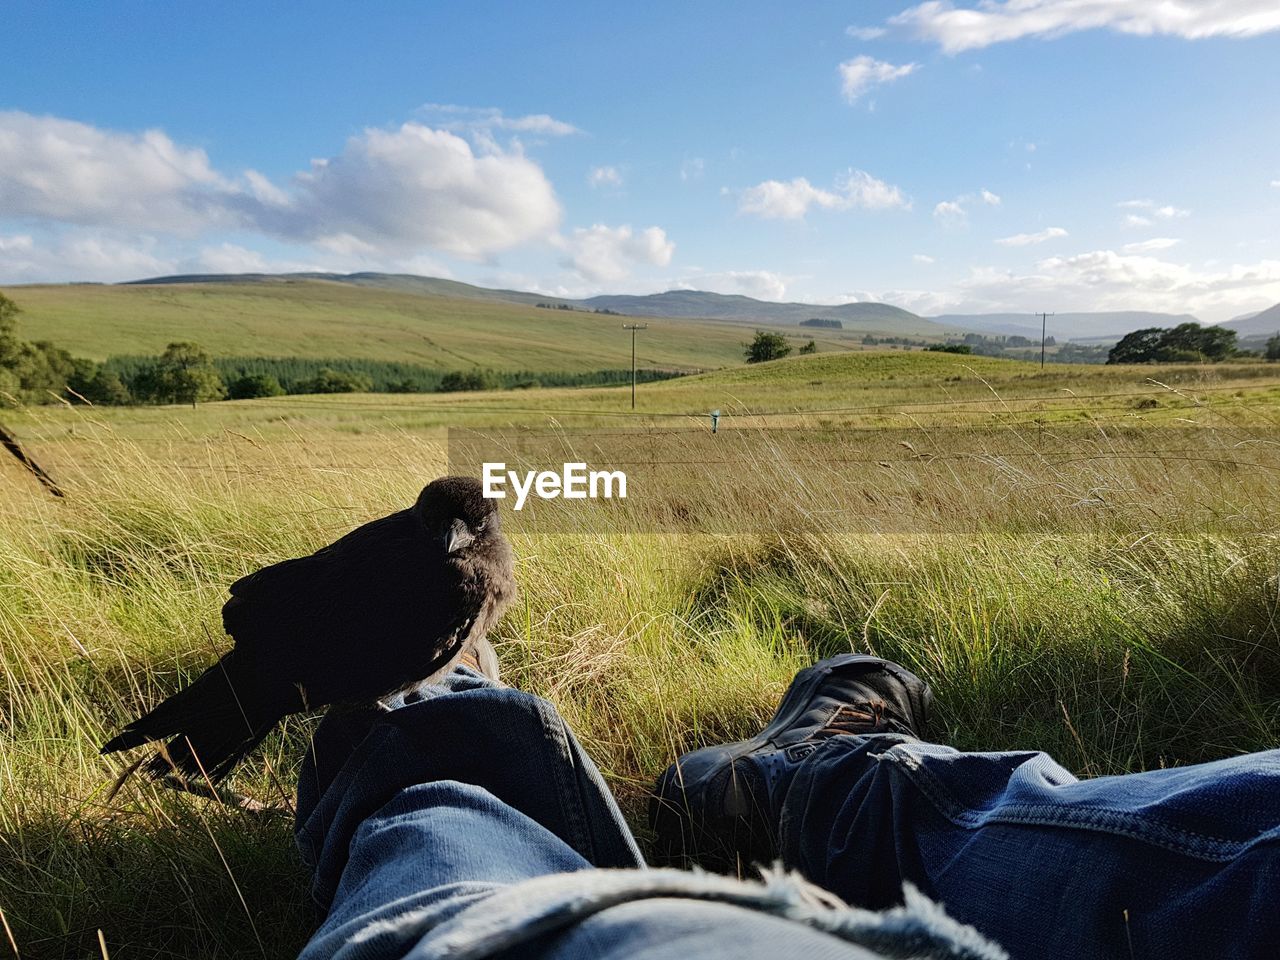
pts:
pixel 1143 637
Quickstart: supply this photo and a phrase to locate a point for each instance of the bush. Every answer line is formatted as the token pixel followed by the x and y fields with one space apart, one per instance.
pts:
pixel 9 388
pixel 329 380
pixel 767 346
pixel 254 385
pixel 950 348
pixel 457 380
pixel 809 348
pixel 1273 348
pixel 105 387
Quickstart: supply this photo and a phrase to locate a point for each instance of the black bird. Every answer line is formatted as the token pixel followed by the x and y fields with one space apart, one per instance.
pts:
pixel 392 603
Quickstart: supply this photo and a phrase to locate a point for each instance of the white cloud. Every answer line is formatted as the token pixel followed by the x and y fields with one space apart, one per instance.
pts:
pixel 1152 245
pixel 1275 183
pixel 80 255
pixel 604 177
pixel 692 168
pixel 993 21
pixel 1105 280
pixel 860 74
pixel 231 258
pixel 791 200
pixel 955 212
pixel 865 33
pixel 415 187
pixel 1133 220
pixel 1162 212
pixel 949 211
pixel 448 116
pixel 395 191
pixel 922 258
pixel 71 172
pixel 602 254
pixel 760 284
pixel 1030 239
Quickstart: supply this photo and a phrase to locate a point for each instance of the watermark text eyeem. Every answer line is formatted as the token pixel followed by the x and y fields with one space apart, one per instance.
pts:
pixel 573 482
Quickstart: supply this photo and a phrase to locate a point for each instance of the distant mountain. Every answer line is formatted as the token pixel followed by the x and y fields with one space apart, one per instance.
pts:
pixel 1066 326
pixel 863 317
pixel 692 304
pixel 402 282
pixel 674 304
pixel 1265 323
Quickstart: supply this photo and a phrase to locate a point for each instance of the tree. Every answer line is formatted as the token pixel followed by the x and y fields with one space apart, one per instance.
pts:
pixel 1273 348
pixel 950 348
pixel 185 374
pixel 106 388
pixel 808 348
pixel 767 346
pixel 254 385
pixel 456 380
pixel 8 326
pixel 328 380
pixel 1187 342
pixel 93 382
pixel 1137 347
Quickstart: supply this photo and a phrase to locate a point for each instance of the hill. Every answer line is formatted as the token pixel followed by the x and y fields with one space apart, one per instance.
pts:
pixel 1065 326
pixel 879 318
pixel 320 318
pixel 863 317
pixel 1265 323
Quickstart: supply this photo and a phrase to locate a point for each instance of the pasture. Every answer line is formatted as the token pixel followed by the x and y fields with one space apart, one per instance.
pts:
pixel 1132 625
pixel 322 319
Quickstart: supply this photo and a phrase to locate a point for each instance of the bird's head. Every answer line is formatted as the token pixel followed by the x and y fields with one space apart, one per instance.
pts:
pixel 456 513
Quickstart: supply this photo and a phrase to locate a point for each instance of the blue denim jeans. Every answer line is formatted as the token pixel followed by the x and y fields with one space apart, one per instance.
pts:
pixel 465 821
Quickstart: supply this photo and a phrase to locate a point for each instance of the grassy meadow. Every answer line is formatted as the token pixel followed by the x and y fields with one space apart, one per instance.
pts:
pixel 1133 625
pixel 323 319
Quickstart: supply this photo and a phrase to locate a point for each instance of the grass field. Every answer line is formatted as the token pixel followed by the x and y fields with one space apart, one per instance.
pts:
pixel 323 319
pixel 1132 625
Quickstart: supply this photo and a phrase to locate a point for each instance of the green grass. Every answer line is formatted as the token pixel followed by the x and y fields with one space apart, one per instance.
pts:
pixel 1122 641
pixel 320 319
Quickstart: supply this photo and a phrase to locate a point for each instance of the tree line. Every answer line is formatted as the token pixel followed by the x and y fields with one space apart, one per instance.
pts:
pixel 40 372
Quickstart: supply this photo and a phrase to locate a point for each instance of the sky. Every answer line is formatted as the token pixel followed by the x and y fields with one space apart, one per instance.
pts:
pixel 946 157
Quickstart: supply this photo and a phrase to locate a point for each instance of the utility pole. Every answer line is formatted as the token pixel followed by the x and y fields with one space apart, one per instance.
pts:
pixel 1044 323
pixel 633 327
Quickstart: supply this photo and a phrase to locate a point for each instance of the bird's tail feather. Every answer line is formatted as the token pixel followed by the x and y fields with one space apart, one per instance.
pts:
pixel 213 723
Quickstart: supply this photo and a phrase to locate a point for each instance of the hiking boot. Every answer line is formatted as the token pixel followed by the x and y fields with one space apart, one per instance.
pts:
pixel 721 805
pixel 483 659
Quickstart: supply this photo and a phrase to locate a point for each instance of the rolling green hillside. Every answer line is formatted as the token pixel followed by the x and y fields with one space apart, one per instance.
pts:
pixel 700 305
pixel 322 319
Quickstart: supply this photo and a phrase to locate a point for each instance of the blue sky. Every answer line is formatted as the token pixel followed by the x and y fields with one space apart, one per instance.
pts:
pixel 1008 155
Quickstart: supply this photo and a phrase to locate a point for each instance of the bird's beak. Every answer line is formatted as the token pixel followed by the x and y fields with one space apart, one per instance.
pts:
pixel 457 536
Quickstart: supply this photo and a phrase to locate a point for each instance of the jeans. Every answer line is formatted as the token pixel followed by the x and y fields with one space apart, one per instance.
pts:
pixel 464 820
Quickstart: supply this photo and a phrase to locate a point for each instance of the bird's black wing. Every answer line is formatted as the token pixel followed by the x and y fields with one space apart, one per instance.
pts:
pixel 373 611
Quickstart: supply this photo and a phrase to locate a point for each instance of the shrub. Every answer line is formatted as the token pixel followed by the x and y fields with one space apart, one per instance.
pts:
pixel 329 380
pixel 767 346
pixel 457 380
pixel 254 385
